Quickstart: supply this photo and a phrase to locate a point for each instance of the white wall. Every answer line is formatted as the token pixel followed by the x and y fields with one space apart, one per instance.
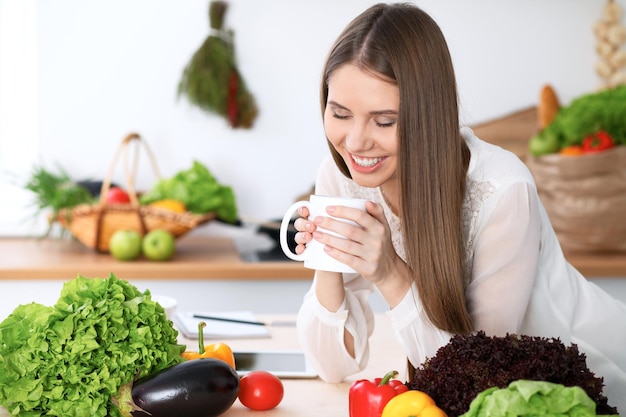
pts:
pixel 106 68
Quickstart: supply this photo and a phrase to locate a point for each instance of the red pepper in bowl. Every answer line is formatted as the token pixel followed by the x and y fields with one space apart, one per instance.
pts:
pixel 367 398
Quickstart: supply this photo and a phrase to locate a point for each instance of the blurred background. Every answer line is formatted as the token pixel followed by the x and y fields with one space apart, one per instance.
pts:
pixel 76 77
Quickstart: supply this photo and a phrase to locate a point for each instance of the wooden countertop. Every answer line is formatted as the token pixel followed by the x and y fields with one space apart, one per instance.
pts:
pixel 599 265
pixel 196 258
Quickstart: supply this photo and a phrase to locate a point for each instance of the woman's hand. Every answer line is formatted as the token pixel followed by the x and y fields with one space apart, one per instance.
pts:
pixel 305 229
pixel 367 248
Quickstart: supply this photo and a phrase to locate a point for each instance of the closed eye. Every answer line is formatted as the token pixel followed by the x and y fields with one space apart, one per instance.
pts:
pixel 385 124
pixel 340 117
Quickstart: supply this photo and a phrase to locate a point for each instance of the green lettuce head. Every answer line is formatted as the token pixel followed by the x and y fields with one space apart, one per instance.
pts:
pixel 71 359
pixel 532 398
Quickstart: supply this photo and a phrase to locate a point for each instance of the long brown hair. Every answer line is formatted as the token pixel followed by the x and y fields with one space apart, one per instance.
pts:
pixel 404 44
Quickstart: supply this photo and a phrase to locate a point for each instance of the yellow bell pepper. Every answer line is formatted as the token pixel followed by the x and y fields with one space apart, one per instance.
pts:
pixel 412 403
pixel 219 351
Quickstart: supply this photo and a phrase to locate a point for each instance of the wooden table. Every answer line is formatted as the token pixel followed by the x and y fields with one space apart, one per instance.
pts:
pixel 313 397
pixel 197 257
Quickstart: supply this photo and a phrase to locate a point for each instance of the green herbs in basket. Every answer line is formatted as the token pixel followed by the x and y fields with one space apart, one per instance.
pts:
pixel 72 358
pixel 199 190
pixel 56 191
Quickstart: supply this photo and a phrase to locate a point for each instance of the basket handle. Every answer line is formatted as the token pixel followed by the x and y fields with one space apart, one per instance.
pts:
pixel 129 172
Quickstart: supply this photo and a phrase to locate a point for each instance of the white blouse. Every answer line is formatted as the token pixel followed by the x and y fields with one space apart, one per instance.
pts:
pixel 520 281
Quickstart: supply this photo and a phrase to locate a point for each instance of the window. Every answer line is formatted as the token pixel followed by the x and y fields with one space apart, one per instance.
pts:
pixel 18 114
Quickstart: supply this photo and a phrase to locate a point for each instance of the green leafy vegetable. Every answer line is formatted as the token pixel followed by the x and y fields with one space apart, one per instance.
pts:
pixel 72 358
pixel 472 363
pixel 56 191
pixel 604 110
pixel 532 398
pixel 198 189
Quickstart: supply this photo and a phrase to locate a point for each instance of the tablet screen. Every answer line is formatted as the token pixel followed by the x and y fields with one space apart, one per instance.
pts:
pixel 280 363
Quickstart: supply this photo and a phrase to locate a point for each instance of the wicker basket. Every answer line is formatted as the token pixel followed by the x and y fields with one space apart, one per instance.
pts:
pixel 94 224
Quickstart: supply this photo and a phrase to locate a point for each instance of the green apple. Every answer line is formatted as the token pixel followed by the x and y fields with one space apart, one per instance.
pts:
pixel 125 245
pixel 544 143
pixel 159 245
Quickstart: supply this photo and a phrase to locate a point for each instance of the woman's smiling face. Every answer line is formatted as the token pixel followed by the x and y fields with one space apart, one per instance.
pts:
pixel 360 121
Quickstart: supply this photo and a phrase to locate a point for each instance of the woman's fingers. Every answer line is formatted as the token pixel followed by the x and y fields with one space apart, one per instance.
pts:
pixel 350 235
pixel 300 249
pixel 305 229
pixel 303 212
pixel 360 226
pixel 363 247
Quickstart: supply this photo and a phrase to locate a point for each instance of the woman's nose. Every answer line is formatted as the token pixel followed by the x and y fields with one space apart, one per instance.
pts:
pixel 358 138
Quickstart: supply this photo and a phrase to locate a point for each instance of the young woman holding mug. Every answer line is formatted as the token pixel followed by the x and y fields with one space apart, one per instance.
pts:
pixel 454 238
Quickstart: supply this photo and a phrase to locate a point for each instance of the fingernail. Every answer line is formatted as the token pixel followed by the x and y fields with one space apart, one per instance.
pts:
pixel 307 226
pixel 330 209
pixel 317 235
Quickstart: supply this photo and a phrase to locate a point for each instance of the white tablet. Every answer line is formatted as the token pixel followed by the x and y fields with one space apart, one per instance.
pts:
pixel 282 363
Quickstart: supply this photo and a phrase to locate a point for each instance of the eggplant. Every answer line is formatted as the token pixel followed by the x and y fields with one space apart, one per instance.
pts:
pixel 205 387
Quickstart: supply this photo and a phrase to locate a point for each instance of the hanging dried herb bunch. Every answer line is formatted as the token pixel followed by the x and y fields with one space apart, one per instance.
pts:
pixel 211 80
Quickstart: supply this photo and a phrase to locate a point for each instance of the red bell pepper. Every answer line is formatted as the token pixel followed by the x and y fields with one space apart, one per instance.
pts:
pixel 597 142
pixel 367 398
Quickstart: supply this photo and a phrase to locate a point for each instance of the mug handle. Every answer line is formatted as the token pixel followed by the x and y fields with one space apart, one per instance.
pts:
pixel 284 225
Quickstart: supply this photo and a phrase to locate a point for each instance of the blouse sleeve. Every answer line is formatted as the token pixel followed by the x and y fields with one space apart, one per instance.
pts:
pixel 505 256
pixel 321 332
pixel 419 337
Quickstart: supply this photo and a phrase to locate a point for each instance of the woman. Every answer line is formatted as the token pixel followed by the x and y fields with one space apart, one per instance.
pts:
pixel 454 238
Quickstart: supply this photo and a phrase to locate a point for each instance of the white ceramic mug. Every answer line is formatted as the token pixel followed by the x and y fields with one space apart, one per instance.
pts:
pixel 314 256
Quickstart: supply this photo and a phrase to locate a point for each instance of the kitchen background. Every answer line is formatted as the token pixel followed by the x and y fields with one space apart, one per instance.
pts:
pixel 76 77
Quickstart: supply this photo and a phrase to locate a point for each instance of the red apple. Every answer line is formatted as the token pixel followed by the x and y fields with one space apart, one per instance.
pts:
pixel 117 196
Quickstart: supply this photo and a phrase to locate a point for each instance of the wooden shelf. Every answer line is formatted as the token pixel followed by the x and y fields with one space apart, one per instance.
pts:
pixel 511 131
pixel 201 258
pixel 599 265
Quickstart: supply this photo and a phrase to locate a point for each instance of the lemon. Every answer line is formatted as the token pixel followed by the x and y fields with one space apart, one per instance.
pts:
pixel 170 204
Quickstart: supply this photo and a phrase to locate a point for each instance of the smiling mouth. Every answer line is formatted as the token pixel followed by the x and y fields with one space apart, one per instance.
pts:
pixel 365 162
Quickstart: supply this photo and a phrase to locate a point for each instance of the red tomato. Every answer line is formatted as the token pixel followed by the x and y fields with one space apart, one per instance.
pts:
pixel 260 390
pixel 116 196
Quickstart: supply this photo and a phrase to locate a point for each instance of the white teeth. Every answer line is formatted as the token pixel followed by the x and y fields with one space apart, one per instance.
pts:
pixel 366 162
